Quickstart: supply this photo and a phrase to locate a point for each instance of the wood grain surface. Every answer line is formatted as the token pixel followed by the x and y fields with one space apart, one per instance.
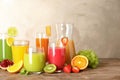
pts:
pixel 109 69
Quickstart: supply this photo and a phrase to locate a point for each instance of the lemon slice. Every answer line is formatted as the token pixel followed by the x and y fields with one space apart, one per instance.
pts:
pixel 10 41
pixel 12 31
pixel 15 67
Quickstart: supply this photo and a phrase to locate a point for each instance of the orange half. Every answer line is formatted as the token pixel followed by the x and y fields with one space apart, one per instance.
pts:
pixel 80 61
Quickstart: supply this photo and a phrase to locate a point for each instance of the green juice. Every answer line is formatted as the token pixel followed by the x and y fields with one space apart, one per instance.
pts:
pixel 5 50
pixel 34 62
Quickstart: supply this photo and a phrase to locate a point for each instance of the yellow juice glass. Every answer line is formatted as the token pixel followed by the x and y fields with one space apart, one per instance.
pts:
pixel 18 49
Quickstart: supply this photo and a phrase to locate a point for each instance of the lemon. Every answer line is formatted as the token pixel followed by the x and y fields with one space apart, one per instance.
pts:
pixel 15 67
pixel 9 41
pixel 12 31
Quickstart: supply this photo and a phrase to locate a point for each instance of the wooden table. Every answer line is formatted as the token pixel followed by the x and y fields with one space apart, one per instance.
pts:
pixel 109 69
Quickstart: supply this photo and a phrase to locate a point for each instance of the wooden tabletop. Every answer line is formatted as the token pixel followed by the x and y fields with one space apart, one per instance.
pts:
pixel 109 69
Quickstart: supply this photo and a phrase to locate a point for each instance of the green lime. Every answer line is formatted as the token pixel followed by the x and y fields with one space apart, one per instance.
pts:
pixel 12 31
pixel 50 68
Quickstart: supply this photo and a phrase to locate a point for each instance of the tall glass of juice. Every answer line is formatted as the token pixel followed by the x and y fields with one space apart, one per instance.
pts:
pixel 19 48
pixel 5 46
pixel 56 55
pixel 42 41
pixel 34 60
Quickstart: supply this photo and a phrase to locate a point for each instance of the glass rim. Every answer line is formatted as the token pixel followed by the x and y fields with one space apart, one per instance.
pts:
pixel 20 42
pixel 40 35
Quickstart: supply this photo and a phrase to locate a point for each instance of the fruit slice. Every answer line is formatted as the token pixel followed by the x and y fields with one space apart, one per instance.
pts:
pixel 48 30
pixel 10 41
pixel 64 40
pixel 12 31
pixel 80 61
pixel 50 68
pixel 15 67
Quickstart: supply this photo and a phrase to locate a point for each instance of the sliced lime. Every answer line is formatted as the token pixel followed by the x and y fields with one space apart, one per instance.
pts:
pixel 50 68
pixel 12 31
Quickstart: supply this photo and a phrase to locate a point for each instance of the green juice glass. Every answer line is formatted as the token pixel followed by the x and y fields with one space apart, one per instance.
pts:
pixel 5 47
pixel 34 60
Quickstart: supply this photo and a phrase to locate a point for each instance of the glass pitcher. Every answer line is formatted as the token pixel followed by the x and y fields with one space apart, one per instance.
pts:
pixel 64 38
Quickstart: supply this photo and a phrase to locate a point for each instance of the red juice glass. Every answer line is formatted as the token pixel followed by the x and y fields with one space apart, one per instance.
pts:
pixel 56 55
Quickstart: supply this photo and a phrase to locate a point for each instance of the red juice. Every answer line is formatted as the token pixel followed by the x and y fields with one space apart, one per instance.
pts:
pixel 56 55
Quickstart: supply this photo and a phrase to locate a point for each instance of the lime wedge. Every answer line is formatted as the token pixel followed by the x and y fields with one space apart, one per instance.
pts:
pixel 50 68
pixel 9 41
pixel 12 31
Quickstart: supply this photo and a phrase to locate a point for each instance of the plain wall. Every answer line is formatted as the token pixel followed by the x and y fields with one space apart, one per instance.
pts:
pixel 96 22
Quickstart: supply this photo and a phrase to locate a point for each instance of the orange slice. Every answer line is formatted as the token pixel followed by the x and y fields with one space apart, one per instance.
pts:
pixel 80 61
pixel 15 67
pixel 10 41
pixel 48 30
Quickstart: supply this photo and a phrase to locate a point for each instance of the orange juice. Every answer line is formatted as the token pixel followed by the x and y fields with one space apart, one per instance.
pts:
pixel 42 42
pixel 18 50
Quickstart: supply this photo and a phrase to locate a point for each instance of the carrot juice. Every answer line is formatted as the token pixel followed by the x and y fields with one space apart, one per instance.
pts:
pixel 42 42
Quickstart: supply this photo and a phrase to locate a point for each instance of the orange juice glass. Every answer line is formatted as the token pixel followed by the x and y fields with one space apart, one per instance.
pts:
pixel 19 48
pixel 42 41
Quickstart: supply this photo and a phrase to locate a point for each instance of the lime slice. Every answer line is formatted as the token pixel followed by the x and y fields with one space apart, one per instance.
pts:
pixel 50 68
pixel 12 31
pixel 10 41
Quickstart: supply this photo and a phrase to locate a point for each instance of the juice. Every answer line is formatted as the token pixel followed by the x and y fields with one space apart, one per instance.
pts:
pixel 43 42
pixel 35 62
pixel 5 50
pixel 57 56
pixel 70 51
pixel 18 52
pixel 18 49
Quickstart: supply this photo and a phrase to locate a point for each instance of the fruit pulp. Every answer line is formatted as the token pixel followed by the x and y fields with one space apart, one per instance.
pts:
pixel 34 62
pixel 43 43
pixel 5 50
pixel 18 52
pixel 57 56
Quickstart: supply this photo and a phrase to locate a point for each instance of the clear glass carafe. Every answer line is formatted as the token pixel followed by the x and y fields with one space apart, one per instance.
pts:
pixel 64 38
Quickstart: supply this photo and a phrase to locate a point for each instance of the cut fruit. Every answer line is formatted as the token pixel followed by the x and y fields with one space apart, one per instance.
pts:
pixel 64 41
pixel 80 61
pixel 48 30
pixel 10 41
pixel 15 67
pixel 12 31
pixel 50 68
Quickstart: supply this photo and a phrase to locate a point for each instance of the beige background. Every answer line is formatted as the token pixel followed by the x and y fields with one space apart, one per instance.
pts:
pixel 96 22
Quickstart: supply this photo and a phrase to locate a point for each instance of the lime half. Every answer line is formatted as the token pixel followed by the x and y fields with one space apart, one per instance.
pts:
pixel 50 68
pixel 12 31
